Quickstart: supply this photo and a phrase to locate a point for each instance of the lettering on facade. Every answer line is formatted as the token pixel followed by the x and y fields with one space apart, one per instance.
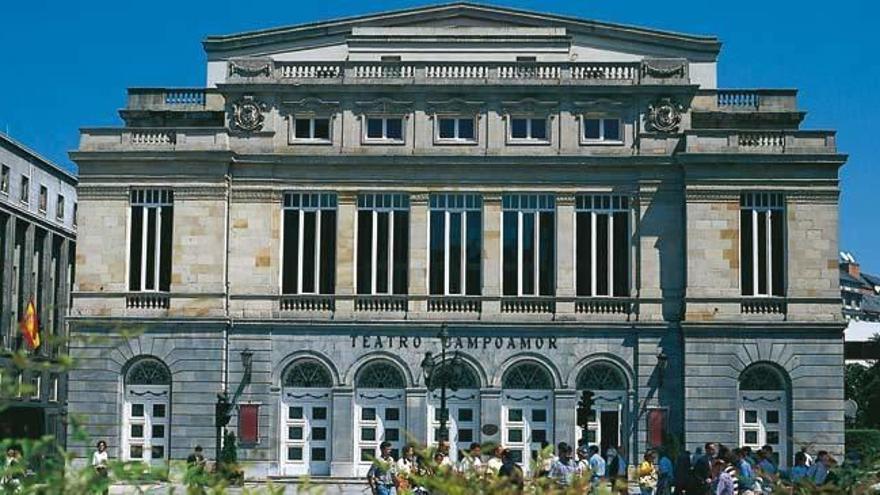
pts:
pixel 456 343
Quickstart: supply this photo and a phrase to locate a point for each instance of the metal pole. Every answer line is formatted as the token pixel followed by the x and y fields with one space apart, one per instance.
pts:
pixel 444 434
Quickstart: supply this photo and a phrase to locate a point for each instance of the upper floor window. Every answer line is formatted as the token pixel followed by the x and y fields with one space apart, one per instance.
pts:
pixel 529 244
pixel 762 243
pixel 309 247
pixel 25 193
pixel 382 243
pixel 456 244
pixel 44 199
pixel 456 129
pixel 4 179
pixel 601 130
pixel 384 129
pixel 602 245
pixel 311 129
pixel 59 207
pixel 152 218
pixel 528 129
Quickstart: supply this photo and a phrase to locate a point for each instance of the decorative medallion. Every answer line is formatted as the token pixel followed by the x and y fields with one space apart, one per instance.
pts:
pixel 247 113
pixel 665 115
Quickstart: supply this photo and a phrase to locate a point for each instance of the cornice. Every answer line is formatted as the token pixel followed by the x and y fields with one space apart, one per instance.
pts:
pixel 102 191
pixel 255 195
pixel 712 195
pixel 199 192
pixel 312 104
pixel 528 106
pixel 454 106
pixel 384 106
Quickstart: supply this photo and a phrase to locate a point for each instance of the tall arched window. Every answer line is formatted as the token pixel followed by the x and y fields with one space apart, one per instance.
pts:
pixel 763 409
pixel 527 410
pixel 305 418
pixel 609 386
pixel 146 410
pixel 380 408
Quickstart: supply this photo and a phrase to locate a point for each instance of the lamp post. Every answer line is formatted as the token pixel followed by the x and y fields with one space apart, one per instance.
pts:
pixel 442 375
pixel 223 407
pixel 662 362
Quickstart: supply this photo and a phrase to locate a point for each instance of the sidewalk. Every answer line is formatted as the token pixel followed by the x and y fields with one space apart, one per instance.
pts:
pixel 333 487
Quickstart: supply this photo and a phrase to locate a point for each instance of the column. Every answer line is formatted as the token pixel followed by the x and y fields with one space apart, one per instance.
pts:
pixel 490 414
pixel 565 269
pixel 27 266
pixel 346 238
pixel 6 271
pixel 417 414
pixel 565 416
pixel 45 305
pixel 418 252
pixel 63 287
pixel 342 462
pixel 491 253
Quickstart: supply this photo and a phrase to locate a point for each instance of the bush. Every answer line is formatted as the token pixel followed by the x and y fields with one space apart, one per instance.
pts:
pixel 864 442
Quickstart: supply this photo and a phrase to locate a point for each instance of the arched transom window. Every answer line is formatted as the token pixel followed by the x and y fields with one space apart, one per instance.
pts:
pixel 148 371
pixel 601 376
pixel 761 377
pixel 529 376
pixel 380 374
pixel 307 373
pixel 457 377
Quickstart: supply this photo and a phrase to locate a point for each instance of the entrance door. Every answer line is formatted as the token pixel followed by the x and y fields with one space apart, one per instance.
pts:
pixel 305 430
pixel 463 421
pixel 762 419
pixel 145 423
pixel 379 417
pixel 605 420
pixel 527 421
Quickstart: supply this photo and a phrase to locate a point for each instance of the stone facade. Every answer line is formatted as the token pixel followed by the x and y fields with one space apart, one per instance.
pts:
pixel 681 336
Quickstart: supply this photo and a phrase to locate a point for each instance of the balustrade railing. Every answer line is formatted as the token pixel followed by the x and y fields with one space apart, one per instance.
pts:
pixel 309 71
pixel 154 137
pixel 185 97
pixel 446 304
pixel 768 305
pixel 528 305
pixel 307 303
pixel 604 306
pixel 147 300
pixel 380 303
pixel 761 139
pixel 738 99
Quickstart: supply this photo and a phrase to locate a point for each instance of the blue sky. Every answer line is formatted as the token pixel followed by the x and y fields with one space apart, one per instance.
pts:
pixel 66 64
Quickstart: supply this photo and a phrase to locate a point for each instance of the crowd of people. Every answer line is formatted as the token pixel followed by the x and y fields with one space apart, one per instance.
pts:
pixel 714 469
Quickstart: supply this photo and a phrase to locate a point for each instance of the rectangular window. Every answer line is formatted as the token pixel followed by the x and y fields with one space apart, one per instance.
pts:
pixel 35 383
pixel 529 240
pixel 53 388
pixel 384 129
pixel 74 214
pixel 600 130
pixel 382 243
pixel 762 244
pixel 249 423
pixel 309 249
pixel 44 199
pixel 4 179
pixel 59 208
pixel 456 244
pixel 602 245
pixel 152 215
pixel 456 129
pixel 311 129
pixel 528 129
pixel 25 193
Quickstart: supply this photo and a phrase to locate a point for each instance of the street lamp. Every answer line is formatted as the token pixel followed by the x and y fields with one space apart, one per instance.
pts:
pixel 443 375
pixel 662 362
pixel 224 406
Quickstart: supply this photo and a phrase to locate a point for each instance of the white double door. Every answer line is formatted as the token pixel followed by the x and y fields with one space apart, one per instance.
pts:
pixel 526 422
pixel 145 423
pixel 379 416
pixel 463 421
pixel 763 421
pixel 305 432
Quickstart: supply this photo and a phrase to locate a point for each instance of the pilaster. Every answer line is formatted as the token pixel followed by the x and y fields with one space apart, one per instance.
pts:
pixel 565 242
pixel 8 247
pixel 491 253
pixel 418 252
pixel 342 450
pixel 346 236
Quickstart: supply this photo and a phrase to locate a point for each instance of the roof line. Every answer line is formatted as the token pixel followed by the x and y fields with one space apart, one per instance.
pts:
pixel 45 161
pixel 213 40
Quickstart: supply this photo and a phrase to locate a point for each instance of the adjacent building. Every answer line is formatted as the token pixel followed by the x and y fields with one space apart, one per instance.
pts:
pixel 577 202
pixel 859 291
pixel 37 250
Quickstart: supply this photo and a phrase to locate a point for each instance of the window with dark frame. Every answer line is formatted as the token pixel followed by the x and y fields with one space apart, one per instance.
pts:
pixel 456 129
pixel 597 130
pixel 309 249
pixel 602 245
pixel 384 128
pixel 382 243
pixel 528 129
pixel 43 203
pixel 59 207
pixel 762 244
pixel 455 239
pixel 311 129
pixel 150 239
pixel 25 193
pixel 529 244
pixel 4 179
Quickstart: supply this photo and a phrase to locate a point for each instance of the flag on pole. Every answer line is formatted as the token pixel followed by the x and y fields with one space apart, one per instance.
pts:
pixel 30 326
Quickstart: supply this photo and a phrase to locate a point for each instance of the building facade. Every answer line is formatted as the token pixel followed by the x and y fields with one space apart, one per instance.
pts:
pixel 576 202
pixel 37 250
pixel 859 291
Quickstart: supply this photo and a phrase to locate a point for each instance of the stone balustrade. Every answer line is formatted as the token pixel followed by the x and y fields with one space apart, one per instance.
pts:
pixel 760 141
pixel 175 99
pixel 745 100
pixel 153 138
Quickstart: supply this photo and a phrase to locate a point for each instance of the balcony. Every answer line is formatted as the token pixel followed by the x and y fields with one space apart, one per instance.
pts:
pixel 660 71
pixel 175 99
pixel 153 139
pixel 717 141
pixel 745 100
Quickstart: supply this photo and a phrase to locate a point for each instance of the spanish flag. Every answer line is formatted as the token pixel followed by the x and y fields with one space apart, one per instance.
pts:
pixel 30 326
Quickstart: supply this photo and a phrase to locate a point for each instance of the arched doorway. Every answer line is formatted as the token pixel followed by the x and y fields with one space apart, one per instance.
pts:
pixel 463 405
pixel 305 418
pixel 146 411
pixel 527 410
pixel 609 386
pixel 763 410
pixel 380 411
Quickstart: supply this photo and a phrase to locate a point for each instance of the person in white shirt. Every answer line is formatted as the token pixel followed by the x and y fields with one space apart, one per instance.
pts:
pixel 99 462
pixel 597 464
pixel 472 461
pixel 493 465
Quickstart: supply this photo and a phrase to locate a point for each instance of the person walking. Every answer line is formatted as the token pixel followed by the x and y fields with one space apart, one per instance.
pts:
pixel 664 473
pixel 472 462
pixel 702 469
pixel 511 471
pixel 597 466
pixel 100 461
pixel 648 474
pixel 722 481
pixel 381 476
